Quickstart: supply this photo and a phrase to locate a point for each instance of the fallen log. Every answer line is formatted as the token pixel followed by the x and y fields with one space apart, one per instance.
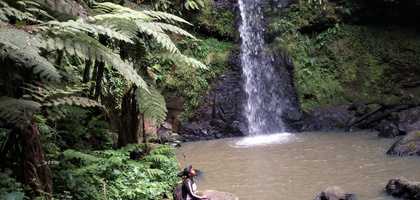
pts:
pixel 383 111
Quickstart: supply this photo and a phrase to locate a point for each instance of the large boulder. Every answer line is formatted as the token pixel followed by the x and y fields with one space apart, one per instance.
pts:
pixel 409 144
pixel 334 193
pixel 403 188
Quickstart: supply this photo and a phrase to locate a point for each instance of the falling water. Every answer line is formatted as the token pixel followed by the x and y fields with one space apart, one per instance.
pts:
pixel 264 105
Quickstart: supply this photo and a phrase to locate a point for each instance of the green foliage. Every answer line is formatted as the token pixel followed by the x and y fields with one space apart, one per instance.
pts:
pixel 11 109
pixel 24 49
pixel 9 187
pixel 342 63
pixel 411 148
pixel 152 104
pixel 193 4
pixel 68 74
pixel 220 22
pixel 112 172
pixel 189 82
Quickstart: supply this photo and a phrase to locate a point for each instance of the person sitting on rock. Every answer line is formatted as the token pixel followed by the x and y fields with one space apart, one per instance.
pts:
pixel 188 186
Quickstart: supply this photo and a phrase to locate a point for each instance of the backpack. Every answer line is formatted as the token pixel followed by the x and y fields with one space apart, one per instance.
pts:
pixel 177 194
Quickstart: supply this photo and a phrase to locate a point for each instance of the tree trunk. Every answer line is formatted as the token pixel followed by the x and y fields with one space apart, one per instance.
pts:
pixel 129 128
pixel 36 173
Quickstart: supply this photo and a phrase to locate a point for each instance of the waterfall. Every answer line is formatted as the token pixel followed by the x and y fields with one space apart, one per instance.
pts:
pixel 263 86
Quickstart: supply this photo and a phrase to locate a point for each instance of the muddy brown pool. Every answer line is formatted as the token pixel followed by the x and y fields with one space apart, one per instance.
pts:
pixel 288 166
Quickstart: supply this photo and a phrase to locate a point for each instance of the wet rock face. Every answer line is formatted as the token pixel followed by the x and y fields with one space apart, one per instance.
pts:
pixel 220 114
pixel 403 188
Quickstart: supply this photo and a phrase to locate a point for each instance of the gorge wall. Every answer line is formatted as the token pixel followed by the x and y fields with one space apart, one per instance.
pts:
pixel 221 112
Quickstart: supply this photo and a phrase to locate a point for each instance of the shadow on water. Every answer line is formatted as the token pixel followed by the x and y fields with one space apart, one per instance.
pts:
pixel 298 166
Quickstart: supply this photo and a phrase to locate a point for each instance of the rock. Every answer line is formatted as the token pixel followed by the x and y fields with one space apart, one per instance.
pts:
pixel 387 129
pixel 175 108
pixel 220 113
pixel 398 123
pixel 403 188
pixel 334 193
pixel 218 195
pixel 409 144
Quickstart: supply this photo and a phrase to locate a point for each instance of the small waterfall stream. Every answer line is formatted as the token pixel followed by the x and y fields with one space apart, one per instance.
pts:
pixel 262 81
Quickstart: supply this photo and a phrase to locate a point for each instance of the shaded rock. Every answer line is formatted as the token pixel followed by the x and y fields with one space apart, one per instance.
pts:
pixel 334 193
pixel 220 113
pixel 403 188
pixel 409 144
pixel 218 195
pixel 388 129
pixel 334 117
pixel 398 123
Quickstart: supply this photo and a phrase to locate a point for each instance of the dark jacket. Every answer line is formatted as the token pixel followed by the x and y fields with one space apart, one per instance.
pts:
pixel 187 188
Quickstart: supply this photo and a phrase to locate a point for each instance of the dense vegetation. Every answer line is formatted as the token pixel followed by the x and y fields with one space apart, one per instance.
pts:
pixel 346 51
pixel 78 81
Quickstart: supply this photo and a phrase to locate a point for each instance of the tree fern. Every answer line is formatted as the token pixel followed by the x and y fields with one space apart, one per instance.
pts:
pixel 12 110
pixel 68 7
pixel 181 59
pixel 165 16
pixel 152 104
pixel 31 12
pixel 68 37
pixel 158 33
pixel 50 96
pixel 24 48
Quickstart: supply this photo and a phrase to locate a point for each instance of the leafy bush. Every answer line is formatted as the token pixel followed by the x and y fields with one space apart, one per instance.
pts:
pixel 114 175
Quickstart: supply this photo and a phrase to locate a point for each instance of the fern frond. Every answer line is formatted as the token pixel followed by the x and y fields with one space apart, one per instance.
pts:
pixel 181 59
pixel 77 101
pixel 7 11
pixel 43 92
pixel 165 16
pixel 67 7
pixel 152 104
pixel 12 110
pixel 157 32
pixel 129 148
pixel 80 44
pixel 66 111
pixel 86 158
pixel 174 29
pixel 162 150
pixel 156 158
pixel 24 48
pixel 154 172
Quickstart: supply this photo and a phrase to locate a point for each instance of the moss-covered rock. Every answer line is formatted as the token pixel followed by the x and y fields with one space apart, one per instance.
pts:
pixel 409 144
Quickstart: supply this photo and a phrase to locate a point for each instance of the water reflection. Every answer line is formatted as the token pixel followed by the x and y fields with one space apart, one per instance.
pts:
pixel 298 166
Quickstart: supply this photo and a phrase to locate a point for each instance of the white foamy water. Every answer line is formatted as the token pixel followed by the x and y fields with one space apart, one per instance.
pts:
pixel 261 140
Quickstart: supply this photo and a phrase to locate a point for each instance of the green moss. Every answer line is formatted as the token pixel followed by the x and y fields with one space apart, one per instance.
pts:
pixel 411 148
pixel 418 133
pixel 344 63
pixel 221 21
